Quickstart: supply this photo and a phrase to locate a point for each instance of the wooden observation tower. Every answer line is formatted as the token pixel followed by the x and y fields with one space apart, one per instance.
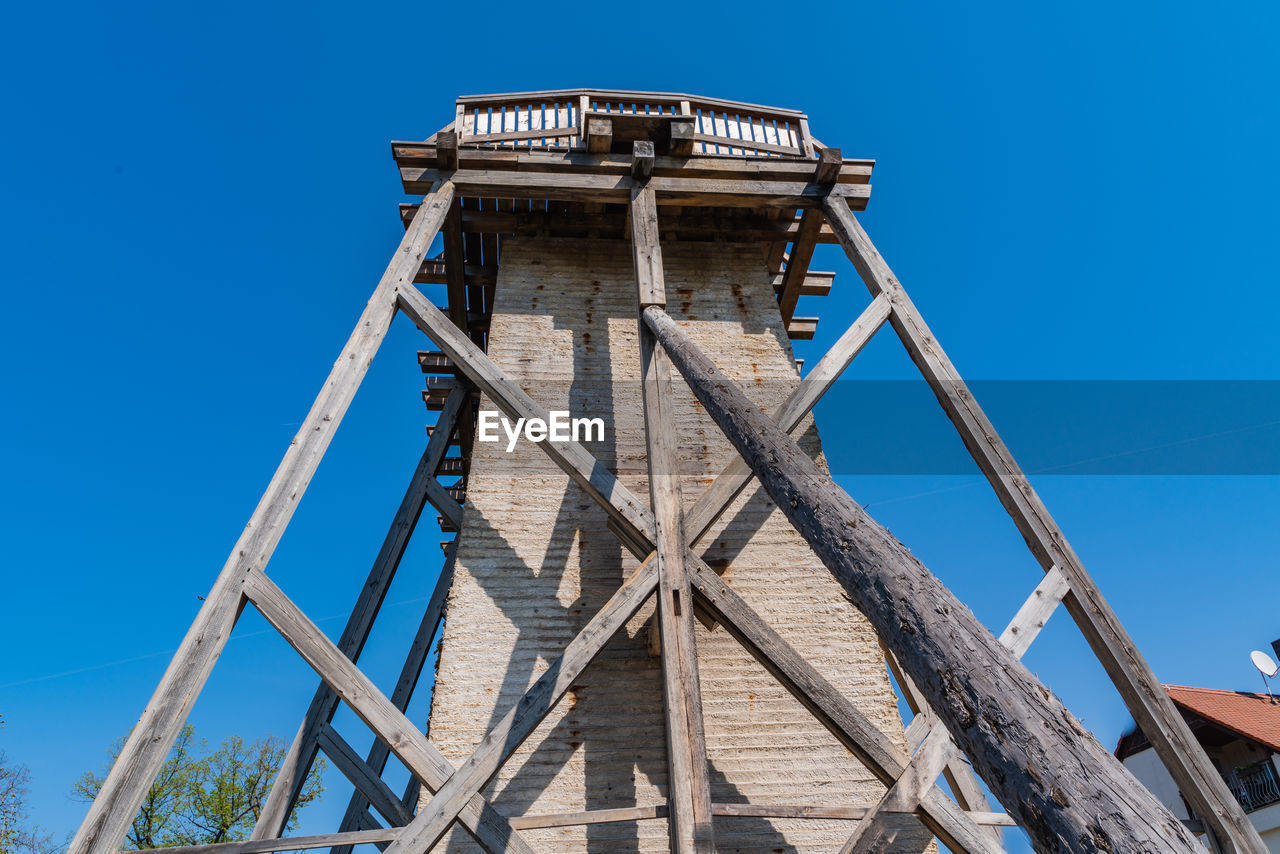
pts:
pixel 670 633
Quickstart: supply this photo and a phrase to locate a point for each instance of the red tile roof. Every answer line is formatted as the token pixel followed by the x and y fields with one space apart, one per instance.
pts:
pixel 1253 716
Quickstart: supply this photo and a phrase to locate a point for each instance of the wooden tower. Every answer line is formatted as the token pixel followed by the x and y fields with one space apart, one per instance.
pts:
pixel 670 633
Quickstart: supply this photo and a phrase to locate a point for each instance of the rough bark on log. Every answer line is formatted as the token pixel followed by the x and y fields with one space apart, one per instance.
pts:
pixel 1066 790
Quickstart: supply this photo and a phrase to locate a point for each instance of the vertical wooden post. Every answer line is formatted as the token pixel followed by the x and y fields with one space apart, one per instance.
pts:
pixel 1147 700
pixel 688 786
pixel 126 786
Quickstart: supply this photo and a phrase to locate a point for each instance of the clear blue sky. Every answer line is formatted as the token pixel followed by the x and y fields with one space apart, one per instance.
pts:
pixel 197 201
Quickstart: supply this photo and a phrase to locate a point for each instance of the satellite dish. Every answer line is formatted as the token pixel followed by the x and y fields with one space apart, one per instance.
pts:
pixel 1263 662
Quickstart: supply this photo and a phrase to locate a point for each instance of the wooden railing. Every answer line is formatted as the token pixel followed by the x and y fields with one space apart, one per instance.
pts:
pixel 553 119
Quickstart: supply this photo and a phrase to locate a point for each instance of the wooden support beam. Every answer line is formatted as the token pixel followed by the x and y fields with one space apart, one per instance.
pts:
pixel 936 750
pixel 1145 697
pixel 410 672
pixel 599 134
pixel 461 787
pixel 586 817
pixel 1052 775
pixel 447 150
pixel 293 770
pixel 642 159
pixel 423 758
pixel 133 772
pixel 412 156
pixel 691 225
pixel 454 268
pixel 293 843
pixel 736 475
pixel 793 280
pixel 815 284
pixel 828 169
pixel 798 263
pixel 647 253
pixel 365 779
pixel 690 787
pixel 675 191
pixel 683 135
pixel 576 461
pixel 802 328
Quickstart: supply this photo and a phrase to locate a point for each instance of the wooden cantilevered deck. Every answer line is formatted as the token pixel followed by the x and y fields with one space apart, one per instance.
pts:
pixel 563 163
pixel 567 163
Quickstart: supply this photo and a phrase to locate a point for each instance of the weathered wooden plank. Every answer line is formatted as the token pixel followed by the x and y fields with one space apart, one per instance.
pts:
pixel 642 158
pixel 936 750
pixel 460 789
pixel 414 661
pixel 1037 758
pixel 826 173
pixel 454 268
pixel 691 225
pixel 798 262
pixel 802 328
pixel 647 253
pixel 690 789
pixel 447 150
pixel 364 778
pixel 577 819
pixel 677 191
pixel 815 284
pixel 420 156
pixel 965 786
pixel 424 759
pixel 131 775
pixel 683 137
pixel 293 770
pixel 596 480
pixel 1035 612
pixel 293 843
pixel 599 134
pixel 1146 699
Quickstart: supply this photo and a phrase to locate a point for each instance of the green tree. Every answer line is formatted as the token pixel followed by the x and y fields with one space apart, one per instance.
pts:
pixel 203 796
pixel 16 834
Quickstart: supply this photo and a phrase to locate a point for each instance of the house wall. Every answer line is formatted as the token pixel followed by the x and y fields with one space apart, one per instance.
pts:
pixel 535 561
pixel 1150 771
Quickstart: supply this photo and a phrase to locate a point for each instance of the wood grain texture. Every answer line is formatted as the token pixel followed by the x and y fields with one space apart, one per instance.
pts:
pixel 690 790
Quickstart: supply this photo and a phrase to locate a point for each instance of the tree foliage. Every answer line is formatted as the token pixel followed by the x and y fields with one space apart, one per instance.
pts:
pixel 16 833
pixel 203 796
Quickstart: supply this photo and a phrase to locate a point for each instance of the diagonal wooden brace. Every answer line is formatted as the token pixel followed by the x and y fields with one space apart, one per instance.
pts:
pixel 297 762
pixel 1145 697
pixel 414 661
pixel 113 810
pixel 937 750
pixel 424 759
pixel 1084 793
pixel 452 795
